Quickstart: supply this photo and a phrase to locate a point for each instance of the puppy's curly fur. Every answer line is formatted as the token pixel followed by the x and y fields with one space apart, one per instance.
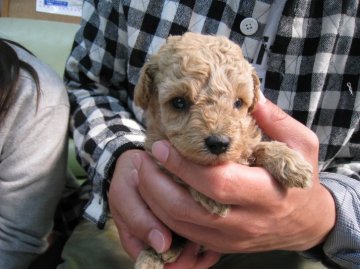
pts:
pixel 198 92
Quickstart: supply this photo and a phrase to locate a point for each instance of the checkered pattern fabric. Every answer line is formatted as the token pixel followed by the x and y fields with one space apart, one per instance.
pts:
pixel 313 73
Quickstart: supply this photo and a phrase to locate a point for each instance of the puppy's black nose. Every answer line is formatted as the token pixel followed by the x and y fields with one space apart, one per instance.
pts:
pixel 217 144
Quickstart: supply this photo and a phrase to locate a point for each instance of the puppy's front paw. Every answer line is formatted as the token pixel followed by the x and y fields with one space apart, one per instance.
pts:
pixel 210 205
pixel 285 164
pixel 149 259
pixel 299 173
pixel 296 173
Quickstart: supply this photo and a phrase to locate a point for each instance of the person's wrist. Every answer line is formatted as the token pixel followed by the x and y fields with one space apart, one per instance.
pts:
pixel 326 215
pixel 124 154
pixel 128 154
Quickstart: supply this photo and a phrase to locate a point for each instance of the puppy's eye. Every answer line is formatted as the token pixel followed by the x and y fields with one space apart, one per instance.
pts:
pixel 179 103
pixel 238 104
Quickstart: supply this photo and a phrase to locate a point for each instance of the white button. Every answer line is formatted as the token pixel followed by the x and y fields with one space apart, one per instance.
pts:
pixel 249 26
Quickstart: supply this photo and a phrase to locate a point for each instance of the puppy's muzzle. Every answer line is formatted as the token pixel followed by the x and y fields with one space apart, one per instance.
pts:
pixel 217 144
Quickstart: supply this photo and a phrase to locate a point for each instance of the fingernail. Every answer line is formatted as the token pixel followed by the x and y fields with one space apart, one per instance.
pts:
pixel 157 240
pixel 160 150
pixel 262 99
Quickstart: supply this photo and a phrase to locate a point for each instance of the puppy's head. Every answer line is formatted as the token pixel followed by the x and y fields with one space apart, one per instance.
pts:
pixel 198 92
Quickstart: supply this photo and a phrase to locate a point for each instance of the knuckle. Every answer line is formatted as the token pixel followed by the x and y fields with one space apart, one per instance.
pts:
pixel 313 141
pixel 311 144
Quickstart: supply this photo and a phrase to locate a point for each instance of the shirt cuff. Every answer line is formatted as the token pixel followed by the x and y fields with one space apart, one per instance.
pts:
pixel 342 246
pixel 97 208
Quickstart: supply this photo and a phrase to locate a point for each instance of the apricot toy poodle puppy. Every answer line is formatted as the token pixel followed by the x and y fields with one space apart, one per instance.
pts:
pixel 198 92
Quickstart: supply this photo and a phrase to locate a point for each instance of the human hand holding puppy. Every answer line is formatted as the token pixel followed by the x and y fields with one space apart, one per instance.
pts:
pixel 263 215
pixel 201 102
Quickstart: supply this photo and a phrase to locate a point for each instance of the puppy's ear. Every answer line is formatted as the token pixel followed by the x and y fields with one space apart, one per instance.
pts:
pixel 144 89
pixel 256 83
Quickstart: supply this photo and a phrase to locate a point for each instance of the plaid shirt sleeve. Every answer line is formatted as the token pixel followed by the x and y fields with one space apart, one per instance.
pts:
pixel 101 124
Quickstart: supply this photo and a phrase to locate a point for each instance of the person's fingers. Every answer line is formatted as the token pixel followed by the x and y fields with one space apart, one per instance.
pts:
pixel 128 207
pixel 279 126
pixel 207 259
pixel 132 245
pixel 192 257
pixel 187 258
pixel 220 182
pixel 163 194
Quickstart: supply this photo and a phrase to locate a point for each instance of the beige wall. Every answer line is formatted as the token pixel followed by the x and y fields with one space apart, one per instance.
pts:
pixel 27 9
pixel 4 6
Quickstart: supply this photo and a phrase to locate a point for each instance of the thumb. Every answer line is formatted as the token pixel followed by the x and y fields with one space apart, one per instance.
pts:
pixel 280 126
pixel 135 222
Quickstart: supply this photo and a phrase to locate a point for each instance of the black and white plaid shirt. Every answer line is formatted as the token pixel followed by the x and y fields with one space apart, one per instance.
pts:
pixel 313 74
